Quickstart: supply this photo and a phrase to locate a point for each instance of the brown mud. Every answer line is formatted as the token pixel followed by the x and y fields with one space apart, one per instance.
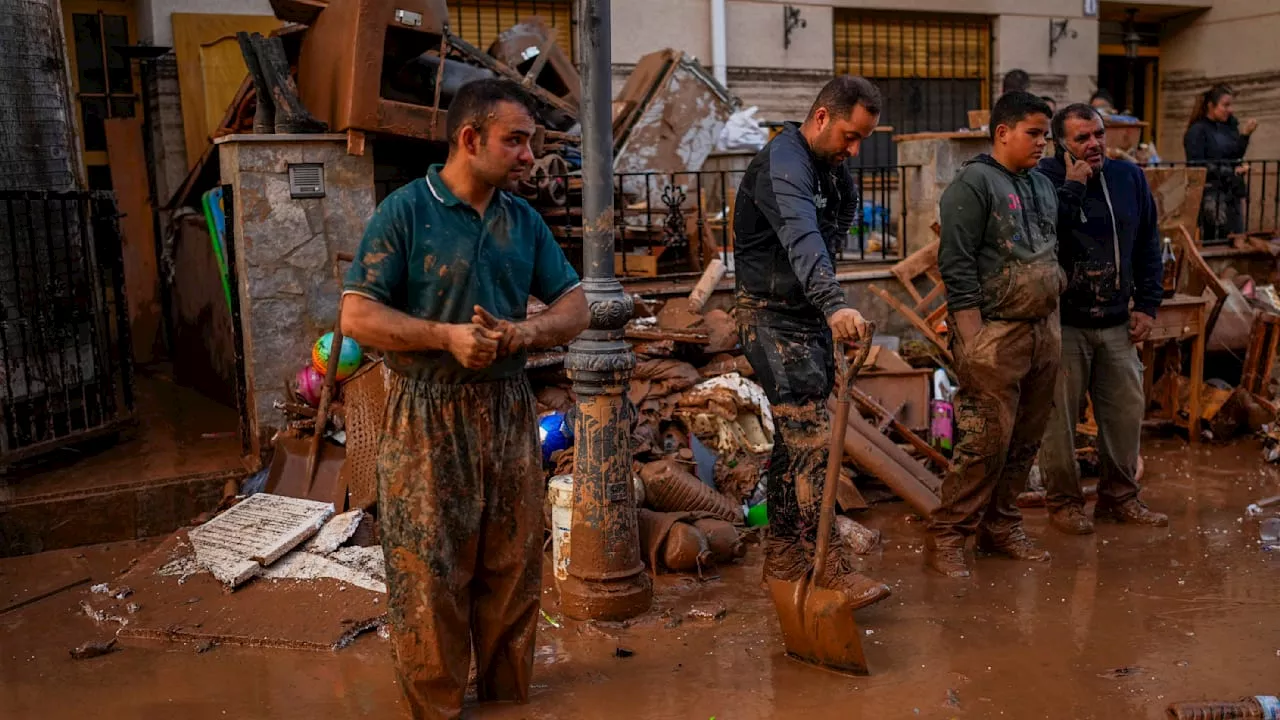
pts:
pixel 1117 626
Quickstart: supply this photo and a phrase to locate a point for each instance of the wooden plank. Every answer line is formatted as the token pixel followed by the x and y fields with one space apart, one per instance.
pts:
pixel 866 401
pixel 916 321
pixel 128 164
pixel 210 69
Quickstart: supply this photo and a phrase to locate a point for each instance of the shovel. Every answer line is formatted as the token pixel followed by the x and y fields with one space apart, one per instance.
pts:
pixel 817 622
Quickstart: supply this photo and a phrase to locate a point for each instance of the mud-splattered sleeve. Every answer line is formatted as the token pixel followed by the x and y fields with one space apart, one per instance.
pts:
pixel 379 271
pixel 553 276
pixel 964 222
pixel 785 196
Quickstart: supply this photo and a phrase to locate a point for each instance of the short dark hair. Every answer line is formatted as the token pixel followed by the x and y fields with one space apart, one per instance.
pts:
pixel 1102 94
pixel 474 103
pixel 1015 80
pixel 1048 99
pixel 843 93
pixel 1074 111
pixel 1014 107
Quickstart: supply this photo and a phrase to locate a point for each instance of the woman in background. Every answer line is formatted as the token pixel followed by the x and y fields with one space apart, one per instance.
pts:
pixel 1217 140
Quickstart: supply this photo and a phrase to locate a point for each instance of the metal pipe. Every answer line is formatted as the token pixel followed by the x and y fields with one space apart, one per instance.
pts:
pixel 606 573
pixel 718 43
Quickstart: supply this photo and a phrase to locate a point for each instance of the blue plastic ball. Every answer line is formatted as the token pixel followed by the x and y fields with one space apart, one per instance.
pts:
pixel 553 434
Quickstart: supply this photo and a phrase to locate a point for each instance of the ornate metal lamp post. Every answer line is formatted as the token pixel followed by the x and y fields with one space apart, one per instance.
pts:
pixel 606 574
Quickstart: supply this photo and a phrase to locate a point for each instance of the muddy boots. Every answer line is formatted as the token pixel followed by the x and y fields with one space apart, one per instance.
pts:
pixel 278 110
pixel 1132 511
pixel 264 114
pixel 1013 543
pixel 1071 519
pixel 946 556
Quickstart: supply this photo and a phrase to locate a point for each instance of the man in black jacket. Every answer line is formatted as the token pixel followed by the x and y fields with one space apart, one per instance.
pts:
pixel 795 205
pixel 1108 244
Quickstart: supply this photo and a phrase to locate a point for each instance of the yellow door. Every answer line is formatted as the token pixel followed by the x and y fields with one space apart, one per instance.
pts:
pixel 210 70
pixel 104 83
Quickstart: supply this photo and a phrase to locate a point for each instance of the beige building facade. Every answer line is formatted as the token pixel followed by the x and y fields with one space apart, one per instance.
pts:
pixel 1185 48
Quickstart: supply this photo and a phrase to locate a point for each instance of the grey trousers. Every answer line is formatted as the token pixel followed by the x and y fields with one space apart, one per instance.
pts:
pixel 1105 364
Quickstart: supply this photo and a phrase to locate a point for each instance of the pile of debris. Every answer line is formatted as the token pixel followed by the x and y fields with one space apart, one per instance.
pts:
pixel 702 432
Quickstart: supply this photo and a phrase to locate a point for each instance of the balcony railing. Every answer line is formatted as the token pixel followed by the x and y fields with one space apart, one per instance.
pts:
pixel 1238 198
pixel 671 224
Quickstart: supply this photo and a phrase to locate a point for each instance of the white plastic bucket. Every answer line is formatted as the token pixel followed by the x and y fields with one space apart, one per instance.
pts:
pixel 561 493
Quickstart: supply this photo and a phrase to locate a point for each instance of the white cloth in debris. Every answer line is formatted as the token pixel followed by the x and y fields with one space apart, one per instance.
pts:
pixel 747 391
pixel 743 132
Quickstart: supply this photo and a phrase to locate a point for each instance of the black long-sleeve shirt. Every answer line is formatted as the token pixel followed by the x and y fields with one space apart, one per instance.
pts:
pixel 792 214
pixel 1219 146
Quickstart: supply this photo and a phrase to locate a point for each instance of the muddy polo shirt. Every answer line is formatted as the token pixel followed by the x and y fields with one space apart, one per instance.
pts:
pixel 428 254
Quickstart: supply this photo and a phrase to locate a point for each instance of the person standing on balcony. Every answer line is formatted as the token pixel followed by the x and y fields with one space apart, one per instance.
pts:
pixel 440 283
pixel 1109 246
pixel 795 205
pixel 999 264
pixel 1217 140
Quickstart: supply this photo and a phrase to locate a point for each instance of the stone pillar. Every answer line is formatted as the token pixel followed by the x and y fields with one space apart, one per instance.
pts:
pixel 938 157
pixel 285 251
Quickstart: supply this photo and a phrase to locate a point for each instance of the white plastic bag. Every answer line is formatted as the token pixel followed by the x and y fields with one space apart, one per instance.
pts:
pixel 742 132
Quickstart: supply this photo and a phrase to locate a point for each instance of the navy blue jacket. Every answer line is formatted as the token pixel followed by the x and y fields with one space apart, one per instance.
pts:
pixel 792 214
pixel 1098 293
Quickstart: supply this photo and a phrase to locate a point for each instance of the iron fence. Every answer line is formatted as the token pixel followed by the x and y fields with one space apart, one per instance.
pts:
pixel 64 329
pixel 670 224
pixel 1238 198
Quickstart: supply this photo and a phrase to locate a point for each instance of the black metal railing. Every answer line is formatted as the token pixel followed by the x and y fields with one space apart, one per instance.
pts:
pixel 674 223
pixel 1241 197
pixel 65 350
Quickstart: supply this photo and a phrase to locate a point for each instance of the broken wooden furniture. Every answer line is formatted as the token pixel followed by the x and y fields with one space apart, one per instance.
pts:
pixel 1180 318
pixel 349 50
pixel 928 308
pixel 530 48
pixel 1260 359
pixel 1177 192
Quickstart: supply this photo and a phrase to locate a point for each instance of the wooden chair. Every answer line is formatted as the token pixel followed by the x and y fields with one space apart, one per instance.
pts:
pixel 1198 276
pixel 920 268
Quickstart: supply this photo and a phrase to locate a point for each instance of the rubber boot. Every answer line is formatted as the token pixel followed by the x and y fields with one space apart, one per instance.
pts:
pixel 264 113
pixel 290 115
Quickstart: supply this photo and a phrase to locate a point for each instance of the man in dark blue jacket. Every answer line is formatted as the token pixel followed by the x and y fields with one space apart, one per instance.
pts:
pixel 1109 246
pixel 795 205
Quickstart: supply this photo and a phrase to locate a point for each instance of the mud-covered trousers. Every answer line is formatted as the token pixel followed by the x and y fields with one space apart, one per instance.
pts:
pixel 1007 378
pixel 796 368
pixel 460 495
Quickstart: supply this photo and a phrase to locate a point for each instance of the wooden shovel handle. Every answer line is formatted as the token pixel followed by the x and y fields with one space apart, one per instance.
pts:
pixel 835 450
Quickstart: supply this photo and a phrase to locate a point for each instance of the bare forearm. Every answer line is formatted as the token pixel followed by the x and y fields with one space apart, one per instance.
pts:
pixel 375 325
pixel 558 324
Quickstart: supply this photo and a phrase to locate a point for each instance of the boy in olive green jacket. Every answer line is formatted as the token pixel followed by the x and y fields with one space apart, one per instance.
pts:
pixel 998 259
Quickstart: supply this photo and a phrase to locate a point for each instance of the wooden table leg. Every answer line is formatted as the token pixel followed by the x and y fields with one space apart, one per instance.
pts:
pixel 1197 376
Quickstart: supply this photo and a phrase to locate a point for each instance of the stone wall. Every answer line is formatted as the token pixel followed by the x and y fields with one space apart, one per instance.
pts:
pixel 285 253
pixel 939 157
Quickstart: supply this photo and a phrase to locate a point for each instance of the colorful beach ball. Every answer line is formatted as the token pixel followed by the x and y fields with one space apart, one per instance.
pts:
pixel 348 360
pixel 308 384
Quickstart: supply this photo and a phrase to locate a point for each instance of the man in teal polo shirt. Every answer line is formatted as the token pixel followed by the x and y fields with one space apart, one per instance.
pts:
pixel 440 284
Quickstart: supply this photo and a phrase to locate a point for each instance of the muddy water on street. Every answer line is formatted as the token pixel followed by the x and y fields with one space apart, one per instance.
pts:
pixel 1118 625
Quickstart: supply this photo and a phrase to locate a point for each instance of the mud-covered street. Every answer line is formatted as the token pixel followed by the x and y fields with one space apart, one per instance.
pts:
pixel 1118 625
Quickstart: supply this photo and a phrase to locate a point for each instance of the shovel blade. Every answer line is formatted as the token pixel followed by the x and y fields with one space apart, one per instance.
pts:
pixel 818 625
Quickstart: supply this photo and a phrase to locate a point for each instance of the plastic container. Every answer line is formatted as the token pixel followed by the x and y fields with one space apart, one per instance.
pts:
pixel 560 491
pixel 1260 707
pixel 758 515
